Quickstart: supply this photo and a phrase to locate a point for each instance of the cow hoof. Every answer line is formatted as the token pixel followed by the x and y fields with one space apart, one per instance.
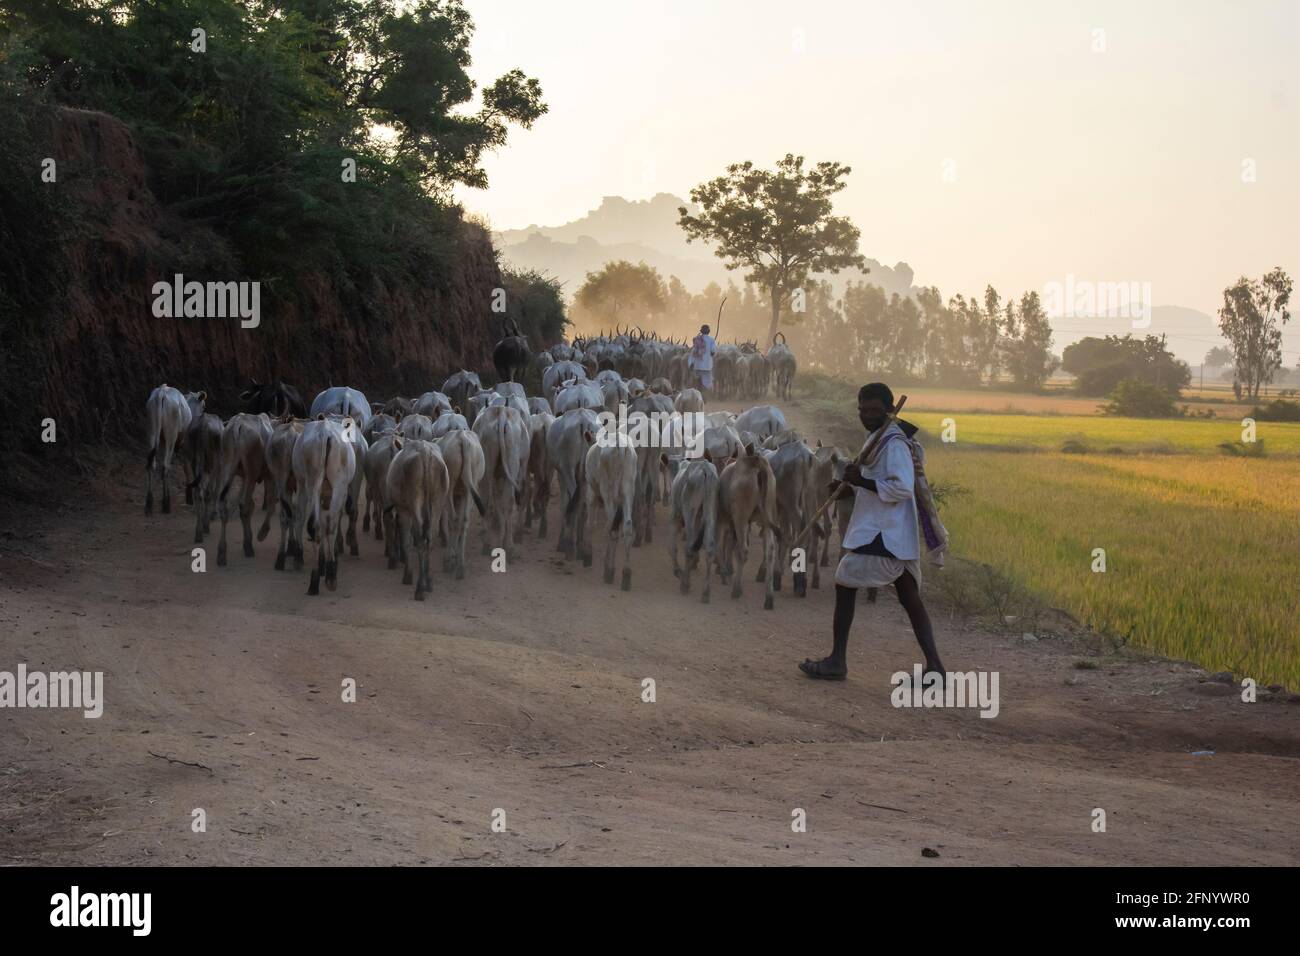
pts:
pixel 685 586
pixel 768 603
pixel 297 562
pixel 189 496
pixel 609 576
pixel 263 531
pixel 586 561
pixel 460 574
pixel 331 583
pixel 166 506
pixel 406 578
pixel 627 579
pixel 198 537
pixel 354 551
pixel 279 561
pixel 248 549
pixel 704 598
pixel 365 523
pixel 419 595
pixel 314 588
pixel 221 556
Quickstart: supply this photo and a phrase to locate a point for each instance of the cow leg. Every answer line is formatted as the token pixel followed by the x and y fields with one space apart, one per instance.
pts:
pixel 247 504
pixel 779 561
pixel 333 537
pixel 543 503
pixel 268 495
pixel 583 531
pixel 393 545
pixel 682 575
pixel 604 509
pixel 353 550
pixel 404 535
pixel 740 551
pixel 626 583
pixel 166 489
pixel 567 520
pixel 418 545
pixel 318 572
pixel 199 508
pixel 769 548
pixel 516 528
pixel 428 557
pixel 284 535
pixel 708 577
pixel 223 512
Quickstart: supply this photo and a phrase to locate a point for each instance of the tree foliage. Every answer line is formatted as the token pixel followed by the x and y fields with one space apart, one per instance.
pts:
pixel 1253 313
pixel 777 225
pixel 1101 364
pixel 250 134
pixel 622 293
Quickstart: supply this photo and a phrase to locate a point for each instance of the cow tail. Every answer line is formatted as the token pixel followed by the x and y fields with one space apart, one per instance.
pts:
pixel 765 491
pixel 507 460
pixel 427 517
pixel 155 436
pixel 576 499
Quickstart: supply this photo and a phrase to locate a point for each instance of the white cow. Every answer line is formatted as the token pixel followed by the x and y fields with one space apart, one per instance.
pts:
pixel 279 462
pixel 323 461
pixel 579 394
pixel 568 439
pixel 694 518
pixel 504 435
pixel 343 401
pixel 169 417
pixel 463 454
pixel 415 490
pixel 611 491
pixel 243 456
pixel 762 420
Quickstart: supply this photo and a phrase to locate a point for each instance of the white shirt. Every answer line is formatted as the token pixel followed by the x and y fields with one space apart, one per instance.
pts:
pixel 705 363
pixel 890 510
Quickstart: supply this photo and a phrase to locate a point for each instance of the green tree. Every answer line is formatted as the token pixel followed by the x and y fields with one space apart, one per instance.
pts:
pixel 777 225
pixel 1251 319
pixel 1031 360
pixel 622 293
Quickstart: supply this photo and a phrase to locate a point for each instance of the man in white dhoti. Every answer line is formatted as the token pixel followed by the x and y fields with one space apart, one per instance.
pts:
pixel 882 540
pixel 700 360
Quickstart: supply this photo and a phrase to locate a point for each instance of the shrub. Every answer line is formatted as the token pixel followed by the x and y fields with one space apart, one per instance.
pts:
pixel 1279 410
pixel 1137 399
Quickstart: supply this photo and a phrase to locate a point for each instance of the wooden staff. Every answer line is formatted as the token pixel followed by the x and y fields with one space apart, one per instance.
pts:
pixel 860 460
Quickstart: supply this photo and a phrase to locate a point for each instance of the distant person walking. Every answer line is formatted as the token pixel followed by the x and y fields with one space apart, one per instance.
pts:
pixel 701 360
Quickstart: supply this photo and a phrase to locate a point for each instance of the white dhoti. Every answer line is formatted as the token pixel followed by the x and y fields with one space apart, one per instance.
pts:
pixel 874 570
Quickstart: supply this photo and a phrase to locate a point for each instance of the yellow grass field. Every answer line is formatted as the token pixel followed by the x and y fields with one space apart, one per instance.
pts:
pixel 1201 552
pixel 1102 433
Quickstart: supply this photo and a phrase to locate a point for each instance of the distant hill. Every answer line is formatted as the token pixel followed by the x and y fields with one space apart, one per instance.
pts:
pixel 644 230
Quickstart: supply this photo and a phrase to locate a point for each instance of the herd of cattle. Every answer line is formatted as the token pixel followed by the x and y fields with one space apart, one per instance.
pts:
pixel 740 370
pixel 415 468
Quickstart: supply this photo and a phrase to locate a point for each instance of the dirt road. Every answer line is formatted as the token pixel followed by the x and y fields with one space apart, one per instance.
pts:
pixel 523 691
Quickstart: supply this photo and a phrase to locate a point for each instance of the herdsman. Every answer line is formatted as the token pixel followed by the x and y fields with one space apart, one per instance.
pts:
pixel 882 540
pixel 700 360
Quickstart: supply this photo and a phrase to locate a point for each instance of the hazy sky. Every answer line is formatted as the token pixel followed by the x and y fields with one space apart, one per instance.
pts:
pixel 1122 165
